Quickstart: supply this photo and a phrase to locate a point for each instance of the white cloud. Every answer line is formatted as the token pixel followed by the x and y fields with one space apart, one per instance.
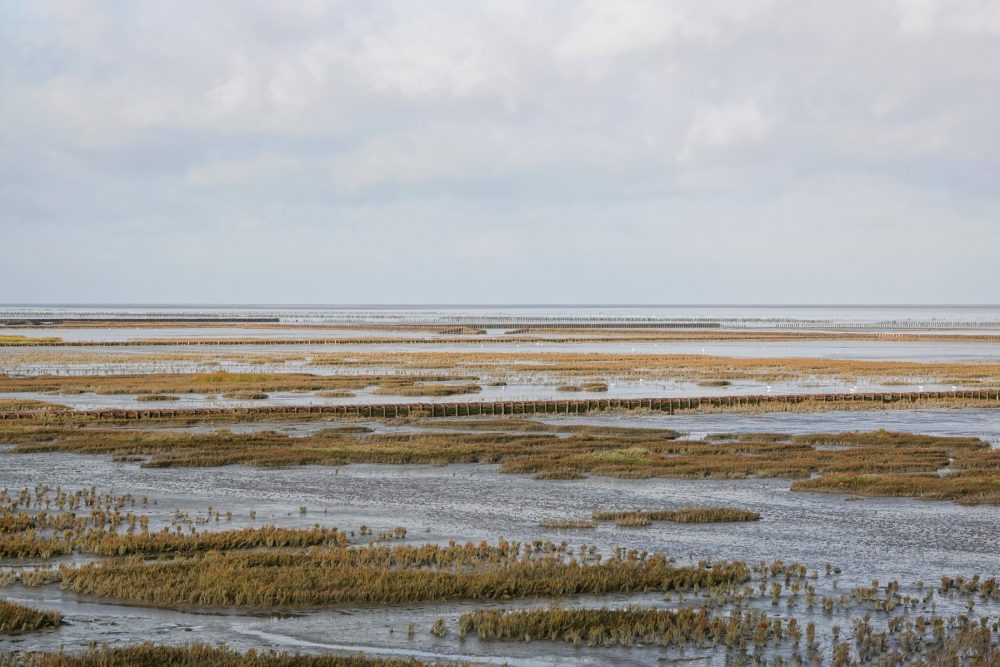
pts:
pixel 229 95
pixel 917 16
pixel 432 55
pixel 720 126
pixel 972 17
pixel 587 127
pixel 601 33
pixel 605 30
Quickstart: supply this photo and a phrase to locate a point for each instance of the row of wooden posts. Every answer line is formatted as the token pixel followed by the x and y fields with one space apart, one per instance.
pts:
pixel 497 408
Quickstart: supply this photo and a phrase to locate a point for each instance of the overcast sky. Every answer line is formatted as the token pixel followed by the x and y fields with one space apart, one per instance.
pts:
pixel 541 151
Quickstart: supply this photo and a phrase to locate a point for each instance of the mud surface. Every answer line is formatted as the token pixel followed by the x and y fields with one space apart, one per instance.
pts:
pixel 883 539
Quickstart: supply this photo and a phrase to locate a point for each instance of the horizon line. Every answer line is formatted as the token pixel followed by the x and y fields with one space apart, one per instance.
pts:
pixel 490 305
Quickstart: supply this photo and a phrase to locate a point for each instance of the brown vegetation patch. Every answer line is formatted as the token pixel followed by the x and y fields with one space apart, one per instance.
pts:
pixel 192 383
pixel 908 463
pixel 80 538
pixel 10 339
pixel 682 515
pixel 16 619
pixel 195 655
pixel 614 627
pixel 27 405
pixel 966 488
pixel 671 366
pixel 559 474
pixel 586 386
pixel 245 395
pixel 567 523
pixel 414 389
pixel 384 575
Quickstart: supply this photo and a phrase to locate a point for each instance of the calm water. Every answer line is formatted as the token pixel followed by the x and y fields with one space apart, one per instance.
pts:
pixel 873 538
pixel 883 317
pixel 885 538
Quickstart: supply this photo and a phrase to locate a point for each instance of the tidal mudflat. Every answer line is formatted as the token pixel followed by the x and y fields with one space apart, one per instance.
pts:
pixel 609 537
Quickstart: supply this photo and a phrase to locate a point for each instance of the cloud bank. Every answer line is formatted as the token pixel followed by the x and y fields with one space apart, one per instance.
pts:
pixel 570 151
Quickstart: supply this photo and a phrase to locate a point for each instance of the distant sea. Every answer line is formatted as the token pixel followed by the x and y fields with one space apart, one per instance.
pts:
pixel 879 317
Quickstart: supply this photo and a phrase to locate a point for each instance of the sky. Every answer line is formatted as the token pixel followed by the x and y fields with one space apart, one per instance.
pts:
pixel 537 151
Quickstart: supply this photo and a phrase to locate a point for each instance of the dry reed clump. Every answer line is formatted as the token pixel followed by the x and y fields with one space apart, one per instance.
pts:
pixel 16 522
pixel 10 339
pixel 150 398
pixel 567 523
pixel 413 389
pixel 382 574
pixel 559 474
pixel 937 640
pixel 106 542
pixel 16 619
pixel 586 386
pixel 595 386
pixel 615 627
pixel 907 639
pixel 246 538
pixel 682 515
pixel 965 488
pixel 708 515
pixel 245 395
pixel 632 520
pixel 195 655
pixel 986 588
pixel 31 545
pixel 27 405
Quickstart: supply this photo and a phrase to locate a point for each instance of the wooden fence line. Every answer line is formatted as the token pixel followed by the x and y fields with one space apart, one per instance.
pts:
pixel 497 408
